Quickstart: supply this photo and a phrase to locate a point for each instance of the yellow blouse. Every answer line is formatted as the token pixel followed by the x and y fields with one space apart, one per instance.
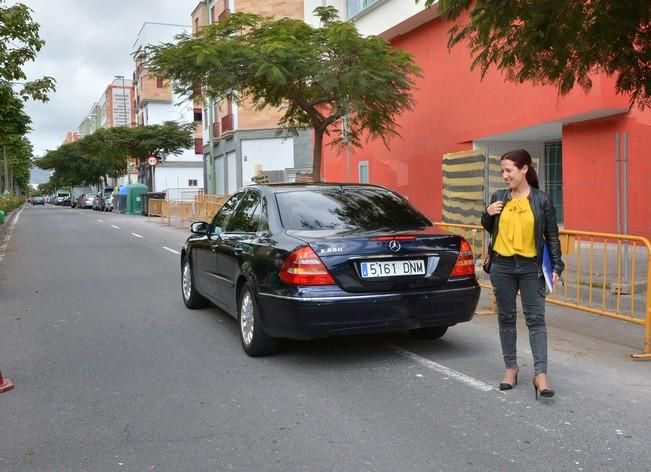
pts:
pixel 515 233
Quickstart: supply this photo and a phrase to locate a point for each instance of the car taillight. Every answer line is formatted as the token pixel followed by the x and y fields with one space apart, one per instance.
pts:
pixel 303 267
pixel 465 262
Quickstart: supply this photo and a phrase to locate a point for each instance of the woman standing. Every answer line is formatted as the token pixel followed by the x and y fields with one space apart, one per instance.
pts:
pixel 521 220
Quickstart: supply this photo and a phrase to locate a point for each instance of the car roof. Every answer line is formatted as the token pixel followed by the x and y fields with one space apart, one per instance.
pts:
pixel 294 186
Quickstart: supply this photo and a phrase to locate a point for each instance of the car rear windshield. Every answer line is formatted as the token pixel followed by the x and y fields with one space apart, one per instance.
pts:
pixel 354 208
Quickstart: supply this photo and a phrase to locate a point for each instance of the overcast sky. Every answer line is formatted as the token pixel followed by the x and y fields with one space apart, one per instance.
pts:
pixel 87 43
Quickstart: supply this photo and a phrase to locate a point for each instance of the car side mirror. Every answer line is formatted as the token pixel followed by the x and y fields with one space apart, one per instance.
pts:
pixel 199 227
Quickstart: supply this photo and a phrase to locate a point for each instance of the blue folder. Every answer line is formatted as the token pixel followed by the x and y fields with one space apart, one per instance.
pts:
pixel 547 268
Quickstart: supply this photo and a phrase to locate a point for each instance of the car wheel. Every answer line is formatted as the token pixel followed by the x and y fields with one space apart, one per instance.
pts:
pixel 191 297
pixel 429 333
pixel 254 340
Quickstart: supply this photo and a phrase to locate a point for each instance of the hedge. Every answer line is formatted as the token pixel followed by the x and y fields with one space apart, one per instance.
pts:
pixel 9 202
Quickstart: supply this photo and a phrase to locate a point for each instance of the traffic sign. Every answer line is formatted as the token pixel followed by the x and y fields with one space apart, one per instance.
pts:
pixel 152 161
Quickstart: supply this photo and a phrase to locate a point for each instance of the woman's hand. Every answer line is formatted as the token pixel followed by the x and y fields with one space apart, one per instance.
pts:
pixel 495 208
pixel 555 278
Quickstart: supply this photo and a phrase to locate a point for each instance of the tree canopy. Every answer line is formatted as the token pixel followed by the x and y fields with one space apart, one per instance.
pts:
pixel 106 152
pixel 19 44
pixel 315 76
pixel 559 42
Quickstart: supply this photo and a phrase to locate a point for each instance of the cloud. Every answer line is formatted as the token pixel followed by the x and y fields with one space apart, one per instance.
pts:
pixel 88 42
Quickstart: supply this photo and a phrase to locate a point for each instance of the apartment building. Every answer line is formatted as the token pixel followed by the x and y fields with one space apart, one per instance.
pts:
pixel 71 137
pixel 113 108
pixel 240 142
pixel 590 148
pixel 155 102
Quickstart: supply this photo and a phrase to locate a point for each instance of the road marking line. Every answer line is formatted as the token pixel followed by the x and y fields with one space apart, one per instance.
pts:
pixel 116 227
pixel 171 250
pixel 101 221
pixel 441 369
pixel 137 235
pixel 5 241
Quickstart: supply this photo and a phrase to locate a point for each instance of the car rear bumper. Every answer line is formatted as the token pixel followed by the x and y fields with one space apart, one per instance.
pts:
pixel 314 315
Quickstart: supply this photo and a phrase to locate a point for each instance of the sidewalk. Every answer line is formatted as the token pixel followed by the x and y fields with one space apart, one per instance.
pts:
pixel 4 228
pixel 580 334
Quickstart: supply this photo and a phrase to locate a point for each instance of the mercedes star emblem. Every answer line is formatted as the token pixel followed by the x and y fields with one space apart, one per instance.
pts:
pixel 394 245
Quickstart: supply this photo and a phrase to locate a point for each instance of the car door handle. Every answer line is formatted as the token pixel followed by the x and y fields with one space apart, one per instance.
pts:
pixel 213 247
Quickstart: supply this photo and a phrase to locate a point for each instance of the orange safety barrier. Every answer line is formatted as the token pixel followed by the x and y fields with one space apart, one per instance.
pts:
pixel 605 274
pixel 200 208
pixel 155 207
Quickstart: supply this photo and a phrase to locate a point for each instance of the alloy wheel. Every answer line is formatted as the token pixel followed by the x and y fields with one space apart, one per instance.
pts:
pixel 246 318
pixel 187 281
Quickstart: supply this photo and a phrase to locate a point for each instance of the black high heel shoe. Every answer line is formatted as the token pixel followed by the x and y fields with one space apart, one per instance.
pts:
pixel 508 386
pixel 544 393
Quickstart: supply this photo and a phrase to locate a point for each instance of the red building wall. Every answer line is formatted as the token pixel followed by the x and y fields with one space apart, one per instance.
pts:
pixel 454 108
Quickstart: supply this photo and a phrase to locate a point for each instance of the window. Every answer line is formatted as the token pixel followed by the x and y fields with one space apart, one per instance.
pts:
pixel 554 176
pixel 247 217
pixel 192 182
pixel 353 7
pixel 212 14
pixel 197 115
pixel 347 208
pixel 159 81
pixel 221 219
pixel 363 172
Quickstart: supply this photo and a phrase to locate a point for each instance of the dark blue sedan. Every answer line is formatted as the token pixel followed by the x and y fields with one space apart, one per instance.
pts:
pixel 306 261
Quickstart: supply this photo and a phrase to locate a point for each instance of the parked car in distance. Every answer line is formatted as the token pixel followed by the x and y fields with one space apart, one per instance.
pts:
pixel 87 200
pixel 108 203
pixel 97 202
pixel 38 200
pixel 315 260
pixel 102 197
pixel 61 197
pixel 77 192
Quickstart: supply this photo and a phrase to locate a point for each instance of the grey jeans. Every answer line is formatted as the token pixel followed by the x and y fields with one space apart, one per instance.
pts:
pixel 508 275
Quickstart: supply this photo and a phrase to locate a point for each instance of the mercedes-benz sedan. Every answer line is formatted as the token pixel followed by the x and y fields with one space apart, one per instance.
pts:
pixel 315 260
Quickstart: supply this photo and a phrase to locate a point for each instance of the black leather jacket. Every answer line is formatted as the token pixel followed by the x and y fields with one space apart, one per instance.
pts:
pixel 546 228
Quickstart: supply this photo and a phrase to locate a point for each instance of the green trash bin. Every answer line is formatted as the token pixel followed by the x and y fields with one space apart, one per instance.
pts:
pixel 134 201
pixel 2 217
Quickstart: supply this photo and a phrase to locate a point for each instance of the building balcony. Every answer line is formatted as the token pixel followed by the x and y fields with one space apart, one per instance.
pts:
pixel 198 146
pixel 227 123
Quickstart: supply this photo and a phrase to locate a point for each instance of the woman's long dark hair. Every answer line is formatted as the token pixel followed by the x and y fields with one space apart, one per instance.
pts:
pixel 522 158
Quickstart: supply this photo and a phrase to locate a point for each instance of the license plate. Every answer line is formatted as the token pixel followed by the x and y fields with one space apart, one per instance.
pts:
pixel 392 268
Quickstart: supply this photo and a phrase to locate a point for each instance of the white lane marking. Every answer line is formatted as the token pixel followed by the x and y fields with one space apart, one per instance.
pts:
pixel 171 250
pixel 101 221
pixel 441 369
pixel 116 227
pixel 5 241
pixel 137 235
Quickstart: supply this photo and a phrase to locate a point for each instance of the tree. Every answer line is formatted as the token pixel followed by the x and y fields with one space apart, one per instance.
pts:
pixel 72 166
pixel 19 157
pixel 107 151
pixel 315 76
pixel 160 141
pixel 19 43
pixel 559 42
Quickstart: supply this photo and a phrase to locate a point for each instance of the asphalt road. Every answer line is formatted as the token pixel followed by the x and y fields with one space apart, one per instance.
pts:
pixel 113 373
